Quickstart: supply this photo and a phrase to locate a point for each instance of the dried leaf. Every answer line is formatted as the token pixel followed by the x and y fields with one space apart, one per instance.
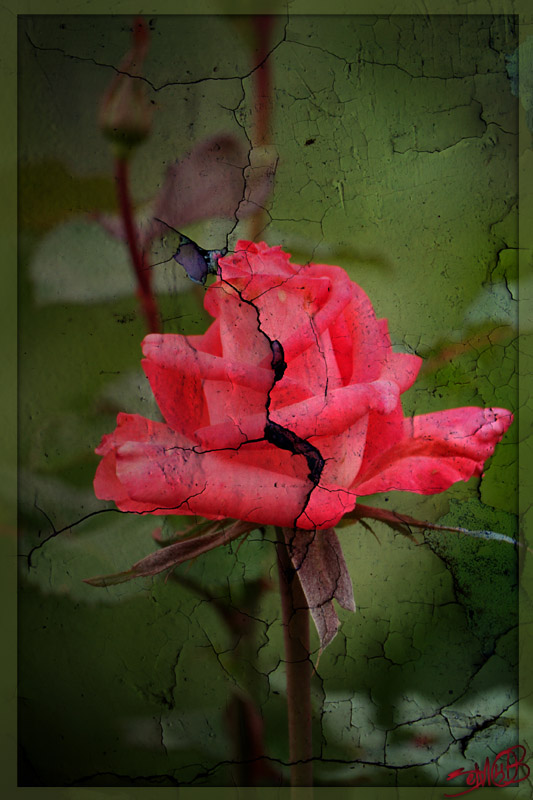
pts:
pixel 175 554
pixel 198 528
pixel 319 561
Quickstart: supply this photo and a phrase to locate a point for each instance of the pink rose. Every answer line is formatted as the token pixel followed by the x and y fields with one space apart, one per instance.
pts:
pixel 287 409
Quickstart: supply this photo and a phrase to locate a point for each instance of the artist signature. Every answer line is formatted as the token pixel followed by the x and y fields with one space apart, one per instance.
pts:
pixel 503 771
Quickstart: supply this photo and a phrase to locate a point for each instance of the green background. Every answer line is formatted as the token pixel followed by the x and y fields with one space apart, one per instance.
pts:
pixel 410 184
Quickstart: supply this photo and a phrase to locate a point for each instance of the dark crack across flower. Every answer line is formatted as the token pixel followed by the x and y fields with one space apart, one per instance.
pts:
pixel 339 392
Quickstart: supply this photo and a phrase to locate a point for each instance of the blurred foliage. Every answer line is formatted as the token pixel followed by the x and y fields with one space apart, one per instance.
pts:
pixel 397 147
pixel 61 194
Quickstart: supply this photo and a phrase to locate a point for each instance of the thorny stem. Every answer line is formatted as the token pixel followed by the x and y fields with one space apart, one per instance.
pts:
pixel 262 24
pixel 144 289
pixel 295 615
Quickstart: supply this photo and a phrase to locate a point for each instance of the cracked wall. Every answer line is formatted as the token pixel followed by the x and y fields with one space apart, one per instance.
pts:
pixel 396 139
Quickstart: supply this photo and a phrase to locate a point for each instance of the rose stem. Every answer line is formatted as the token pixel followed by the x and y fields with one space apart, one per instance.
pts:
pixel 144 290
pixel 295 615
pixel 262 24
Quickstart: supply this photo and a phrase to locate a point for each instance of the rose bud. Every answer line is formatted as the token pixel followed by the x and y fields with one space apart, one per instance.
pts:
pixel 126 112
pixel 287 409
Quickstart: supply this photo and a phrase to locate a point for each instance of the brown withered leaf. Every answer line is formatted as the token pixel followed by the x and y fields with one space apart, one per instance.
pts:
pixel 319 561
pixel 176 554
pixel 197 528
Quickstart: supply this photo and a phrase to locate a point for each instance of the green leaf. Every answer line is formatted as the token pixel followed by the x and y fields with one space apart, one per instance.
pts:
pixel 80 262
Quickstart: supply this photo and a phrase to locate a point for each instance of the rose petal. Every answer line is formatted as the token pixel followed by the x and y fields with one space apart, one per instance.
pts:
pixel 342 453
pixel 213 485
pixel 148 468
pixel 402 368
pixel 179 394
pixel 316 416
pixel 326 507
pixel 339 295
pixel 250 259
pixel 283 463
pixel 384 431
pixel 437 450
pixel 311 296
pixel 129 427
pixel 171 353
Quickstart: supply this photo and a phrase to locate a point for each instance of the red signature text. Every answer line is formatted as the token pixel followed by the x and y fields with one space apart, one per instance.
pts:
pixel 503 771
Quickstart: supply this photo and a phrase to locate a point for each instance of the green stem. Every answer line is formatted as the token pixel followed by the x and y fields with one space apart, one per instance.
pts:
pixel 144 289
pixel 295 614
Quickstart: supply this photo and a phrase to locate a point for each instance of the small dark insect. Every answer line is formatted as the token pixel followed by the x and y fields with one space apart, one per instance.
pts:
pixel 197 262
pixel 278 363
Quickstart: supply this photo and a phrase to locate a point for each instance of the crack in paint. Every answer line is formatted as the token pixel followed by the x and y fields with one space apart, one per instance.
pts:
pixel 142 78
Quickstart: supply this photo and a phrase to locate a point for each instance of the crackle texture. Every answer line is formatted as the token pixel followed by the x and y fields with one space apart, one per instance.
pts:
pixel 396 145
